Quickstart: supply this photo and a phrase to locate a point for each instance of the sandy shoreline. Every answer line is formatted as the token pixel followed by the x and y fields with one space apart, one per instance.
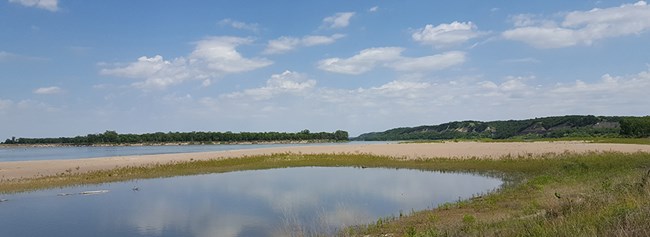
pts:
pixel 460 150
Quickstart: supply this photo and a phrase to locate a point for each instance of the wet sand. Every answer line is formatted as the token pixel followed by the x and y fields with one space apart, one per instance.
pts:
pixel 459 150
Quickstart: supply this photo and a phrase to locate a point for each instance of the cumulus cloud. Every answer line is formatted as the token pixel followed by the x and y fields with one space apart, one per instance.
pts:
pixel 581 27
pixel 391 57
pixel 446 34
pixel 48 90
pixel 285 44
pixel 50 5
pixel 338 20
pixel 374 9
pixel 156 72
pixel 220 55
pixel 254 27
pixel 212 57
pixel 287 82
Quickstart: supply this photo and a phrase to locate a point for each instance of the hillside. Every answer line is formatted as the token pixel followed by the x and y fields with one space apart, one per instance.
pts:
pixel 547 127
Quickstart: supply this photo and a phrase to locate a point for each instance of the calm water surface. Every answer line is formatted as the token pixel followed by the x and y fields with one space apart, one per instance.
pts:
pixel 272 202
pixel 71 152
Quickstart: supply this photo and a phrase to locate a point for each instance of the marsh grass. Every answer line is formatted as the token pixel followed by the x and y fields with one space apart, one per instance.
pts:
pixel 592 194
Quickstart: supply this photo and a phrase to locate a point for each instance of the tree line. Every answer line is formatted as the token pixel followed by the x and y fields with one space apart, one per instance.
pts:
pixel 112 137
pixel 582 126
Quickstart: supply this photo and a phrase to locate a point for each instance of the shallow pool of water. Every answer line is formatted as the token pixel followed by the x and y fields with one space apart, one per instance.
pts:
pixel 272 202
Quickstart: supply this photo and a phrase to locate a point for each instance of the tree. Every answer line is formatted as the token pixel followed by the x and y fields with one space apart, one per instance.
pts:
pixel 111 136
pixel 635 126
pixel 340 135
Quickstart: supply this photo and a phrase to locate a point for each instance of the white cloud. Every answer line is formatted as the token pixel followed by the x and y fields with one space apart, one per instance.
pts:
pixel 391 57
pixel 544 37
pixel 48 90
pixel 220 55
pixel 402 85
pixel 430 63
pixel 285 44
pixel 446 34
pixel 338 20
pixel 523 20
pixel 581 27
pixel 364 61
pixel 281 45
pixel 287 82
pixel 374 9
pixel 608 86
pixel 156 72
pixel 312 40
pixel 212 57
pixel 254 27
pixel 400 89
pixel 50 5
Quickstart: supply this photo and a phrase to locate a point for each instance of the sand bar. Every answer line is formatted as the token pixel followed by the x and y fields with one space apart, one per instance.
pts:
pixel 460 150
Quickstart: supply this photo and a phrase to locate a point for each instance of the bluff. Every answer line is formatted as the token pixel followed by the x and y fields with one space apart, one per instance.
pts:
pixel 546 127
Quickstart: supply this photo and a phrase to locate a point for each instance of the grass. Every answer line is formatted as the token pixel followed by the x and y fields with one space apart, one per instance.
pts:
pixel 593 194
pixel 598 194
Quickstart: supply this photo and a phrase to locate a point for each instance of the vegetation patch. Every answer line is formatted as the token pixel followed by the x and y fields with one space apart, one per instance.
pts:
pixel 594 194
pixel 598 194
pixel 558 127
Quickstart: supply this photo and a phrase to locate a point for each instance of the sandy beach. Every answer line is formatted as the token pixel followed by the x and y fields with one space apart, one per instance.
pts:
pixel 459 150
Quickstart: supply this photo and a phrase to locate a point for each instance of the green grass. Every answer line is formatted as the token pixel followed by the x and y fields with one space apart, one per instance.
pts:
pixel 600 194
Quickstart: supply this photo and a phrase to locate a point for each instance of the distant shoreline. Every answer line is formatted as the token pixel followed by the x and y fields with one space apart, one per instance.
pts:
pixel 172 143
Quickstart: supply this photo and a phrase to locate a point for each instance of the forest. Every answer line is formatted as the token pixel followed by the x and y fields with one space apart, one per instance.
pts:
pixel 112 137
pixel 576 126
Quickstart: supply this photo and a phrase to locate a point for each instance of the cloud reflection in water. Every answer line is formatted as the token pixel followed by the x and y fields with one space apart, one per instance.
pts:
pixel 272 202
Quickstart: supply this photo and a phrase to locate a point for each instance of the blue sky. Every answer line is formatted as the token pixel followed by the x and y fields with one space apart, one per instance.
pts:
pixel 76 67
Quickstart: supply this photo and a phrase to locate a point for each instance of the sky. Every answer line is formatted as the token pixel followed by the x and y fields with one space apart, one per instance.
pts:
pixel 72 68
